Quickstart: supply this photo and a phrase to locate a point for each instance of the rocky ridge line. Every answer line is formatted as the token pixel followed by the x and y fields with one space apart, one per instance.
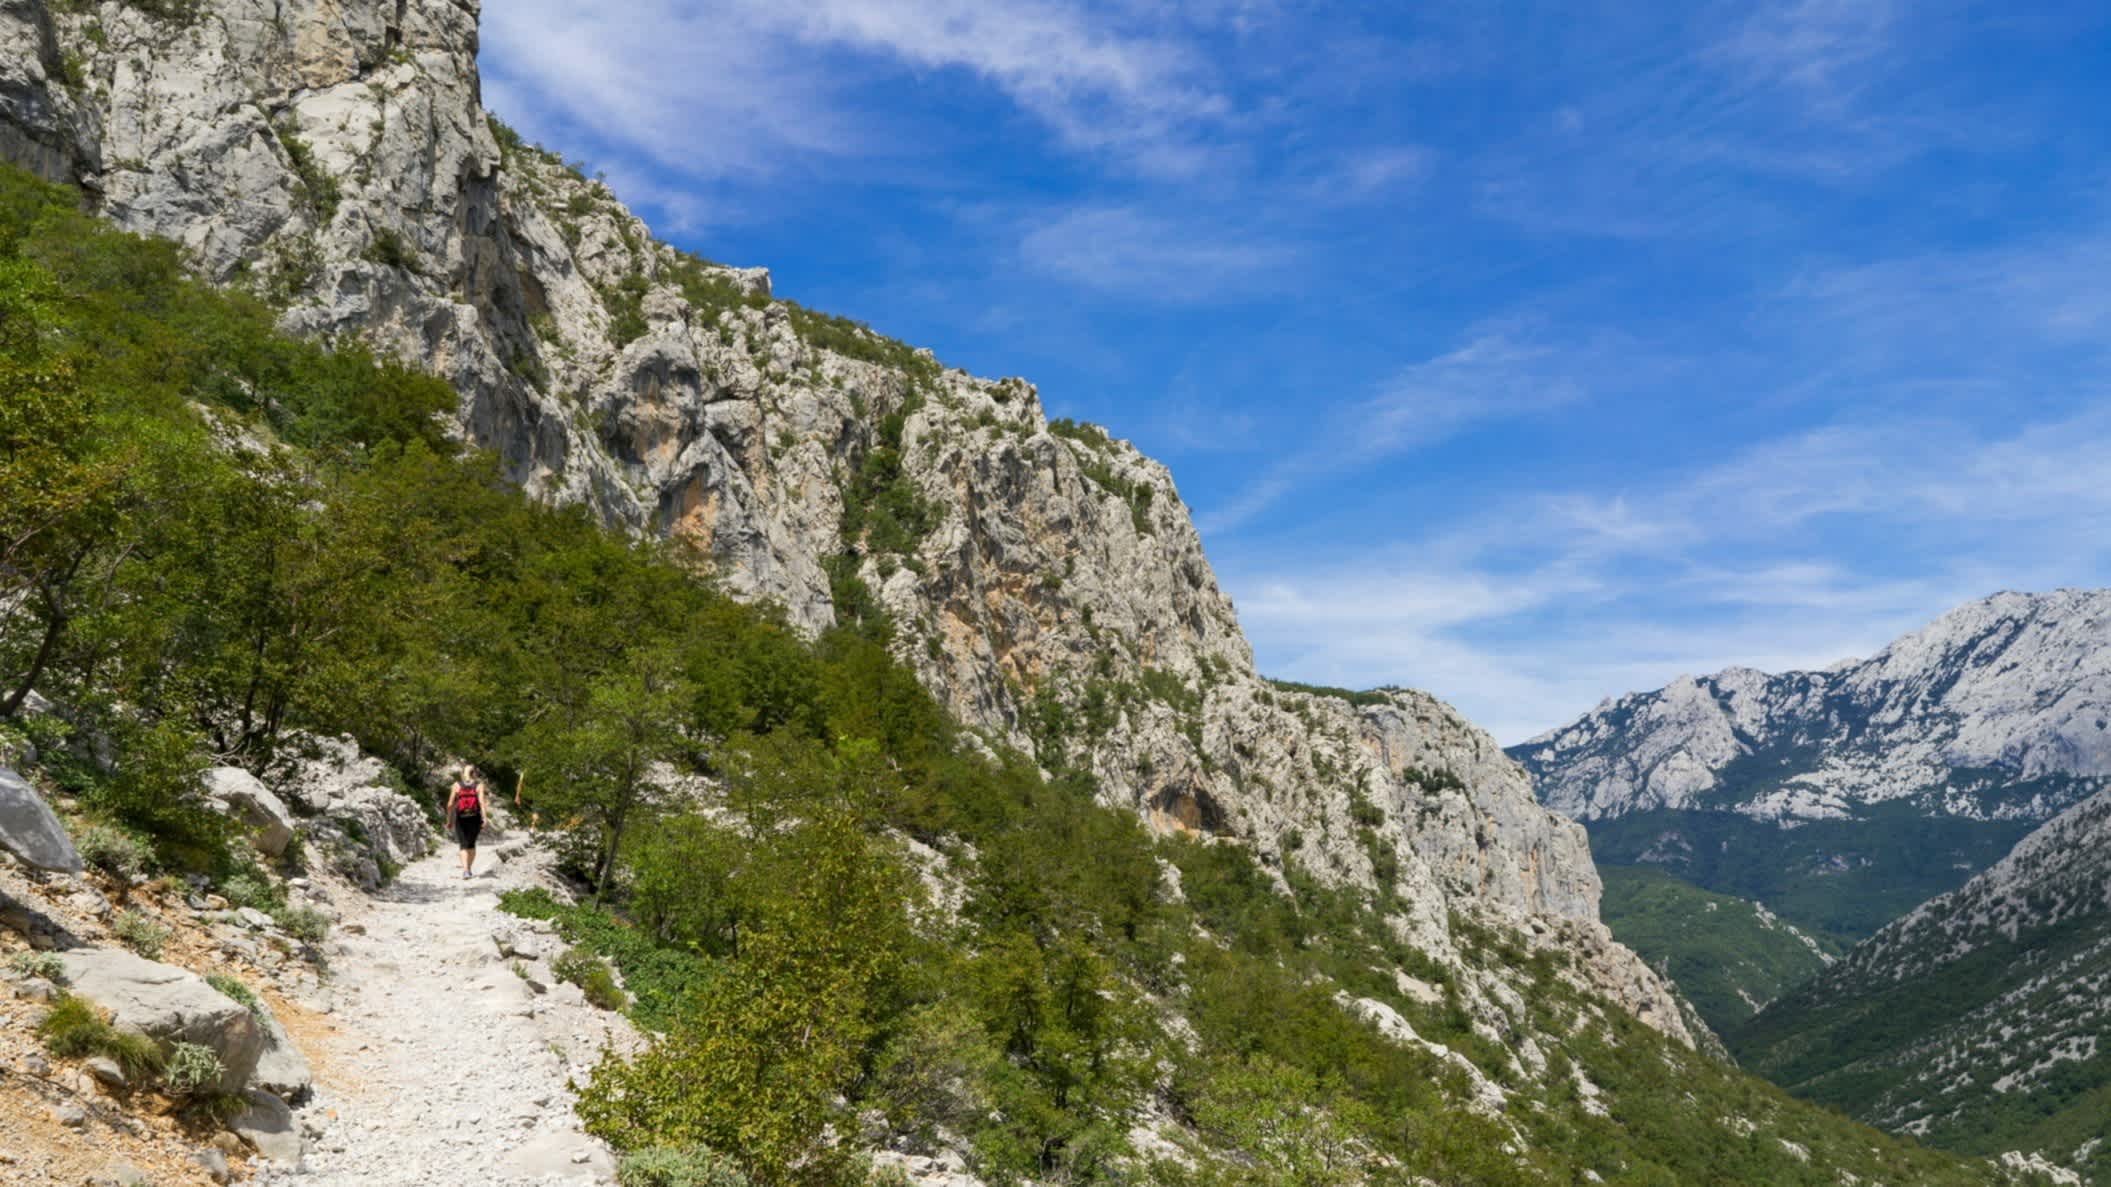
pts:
pixel 1995 711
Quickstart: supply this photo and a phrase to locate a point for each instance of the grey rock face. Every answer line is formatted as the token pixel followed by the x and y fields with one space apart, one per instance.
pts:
pixel 359 819
pixel 1998 710
pixel 267 1124
pixel 168 1004
pixel 335 153
pixel 29 830
pixel 42 126
pixel 281 1069
pixel 241 795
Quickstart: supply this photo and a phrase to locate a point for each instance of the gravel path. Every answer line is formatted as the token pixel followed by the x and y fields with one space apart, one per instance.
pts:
pixel 442 1064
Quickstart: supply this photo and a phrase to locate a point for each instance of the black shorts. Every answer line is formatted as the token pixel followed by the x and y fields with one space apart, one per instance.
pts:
pixel 465 830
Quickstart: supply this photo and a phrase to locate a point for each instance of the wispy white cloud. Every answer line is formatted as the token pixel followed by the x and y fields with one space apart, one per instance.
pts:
pixel 1692 573
pixel 709 89
pixel 1500 373
pixel 1820 47
pixel 1154 257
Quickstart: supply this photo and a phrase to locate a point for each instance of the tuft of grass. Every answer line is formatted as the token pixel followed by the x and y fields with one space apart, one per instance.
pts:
pixel 139 933
pixel 241 994
pixel 73 1029
pixel 684 1166
pixel 250 889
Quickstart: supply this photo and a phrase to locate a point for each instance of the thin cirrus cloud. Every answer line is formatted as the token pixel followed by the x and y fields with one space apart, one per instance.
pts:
pixel 756 85
pixel 1528 616
pixel 1144 255
pixel 1500 373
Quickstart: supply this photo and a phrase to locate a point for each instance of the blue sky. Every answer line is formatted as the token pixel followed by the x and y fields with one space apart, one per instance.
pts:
pixel 1526 353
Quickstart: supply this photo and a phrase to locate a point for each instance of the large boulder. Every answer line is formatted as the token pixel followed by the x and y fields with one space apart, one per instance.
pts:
pixel 244 796
pixel 267 1124
pixel 282 1070
pixel 29 830
pixel 168 1004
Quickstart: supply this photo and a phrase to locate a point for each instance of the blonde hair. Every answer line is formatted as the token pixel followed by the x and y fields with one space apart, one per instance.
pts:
pixel 470 774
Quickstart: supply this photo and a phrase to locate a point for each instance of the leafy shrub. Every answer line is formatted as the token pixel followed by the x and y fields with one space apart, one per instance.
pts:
pixel 856 340
pixel 190 1069
pixel 72 1029
pixel 305 924
pixel 139 933
pixel 1376 696
pixel 593 976
pixel 391 250
pixel 1080 430
pixel 116 853
pixel 156 796
pixel 38 964
pixel 1365 813
pixel 317 185
pixel 690 1166
pixel 242 994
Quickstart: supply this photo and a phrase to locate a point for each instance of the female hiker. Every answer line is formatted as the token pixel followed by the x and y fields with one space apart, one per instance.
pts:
pixel 465 814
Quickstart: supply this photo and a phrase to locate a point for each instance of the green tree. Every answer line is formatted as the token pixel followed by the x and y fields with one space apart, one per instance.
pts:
pixel 596 761
pixel 765 1048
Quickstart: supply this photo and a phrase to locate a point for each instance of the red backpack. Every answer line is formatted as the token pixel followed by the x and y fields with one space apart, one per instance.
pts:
pixel 466 801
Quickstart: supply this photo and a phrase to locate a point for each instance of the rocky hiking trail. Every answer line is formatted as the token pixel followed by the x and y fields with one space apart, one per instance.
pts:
pixel 448 1043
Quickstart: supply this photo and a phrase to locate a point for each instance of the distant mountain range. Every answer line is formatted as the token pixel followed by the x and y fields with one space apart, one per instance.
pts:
pixel 1979 1020
pixel 1947 803
pixel 1844 797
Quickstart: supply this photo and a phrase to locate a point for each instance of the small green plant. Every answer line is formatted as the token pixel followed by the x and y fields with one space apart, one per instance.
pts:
pixel 113 851
pixel 295 262
pixel 689 1166
pixel 190 1069
pixel 72 1029
pixel 73 70
pixel 38 964
pixel 317 185
pixel 305 924
pixel 241 994
pixel 593 977
pixel 250 889
pixel 139 933
pixel 391 250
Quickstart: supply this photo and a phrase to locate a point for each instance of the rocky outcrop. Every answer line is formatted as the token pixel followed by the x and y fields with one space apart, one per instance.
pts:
pixel 357 815
pixel 43 126
pixel 281 1069
pixel 169 1004
pixel 1044 578
pixel 263 816
pixel 1998 710
pixel 29 830
pixel 267 1125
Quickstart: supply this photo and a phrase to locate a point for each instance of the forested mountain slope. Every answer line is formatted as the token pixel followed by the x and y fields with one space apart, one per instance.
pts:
pixel 1978 1020
pixel 1728 956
